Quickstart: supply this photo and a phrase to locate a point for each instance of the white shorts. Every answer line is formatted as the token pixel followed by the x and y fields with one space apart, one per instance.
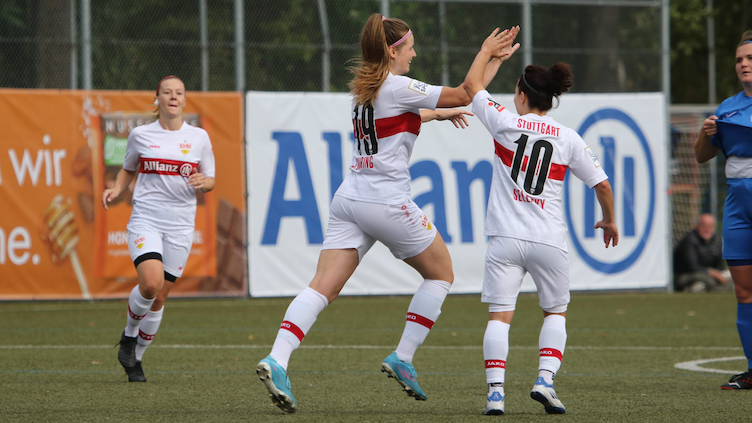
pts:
pixel 404 229
pixel 507 261
pixel 173 247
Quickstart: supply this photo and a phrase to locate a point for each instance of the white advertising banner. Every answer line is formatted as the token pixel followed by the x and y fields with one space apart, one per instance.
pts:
pixel 299 148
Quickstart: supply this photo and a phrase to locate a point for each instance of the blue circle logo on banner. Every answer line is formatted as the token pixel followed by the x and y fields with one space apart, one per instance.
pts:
pixel 621 265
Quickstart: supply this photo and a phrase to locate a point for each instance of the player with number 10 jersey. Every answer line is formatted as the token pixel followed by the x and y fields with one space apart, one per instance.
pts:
pixel 532 155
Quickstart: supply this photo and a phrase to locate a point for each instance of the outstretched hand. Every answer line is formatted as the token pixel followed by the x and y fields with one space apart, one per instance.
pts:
pixel 457 116
pixel 500 44
pixel 610 232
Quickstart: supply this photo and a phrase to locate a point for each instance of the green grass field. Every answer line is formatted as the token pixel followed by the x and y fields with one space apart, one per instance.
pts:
pixel 58 364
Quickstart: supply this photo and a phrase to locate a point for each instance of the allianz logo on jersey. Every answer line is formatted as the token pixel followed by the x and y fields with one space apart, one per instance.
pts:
pixel 622 149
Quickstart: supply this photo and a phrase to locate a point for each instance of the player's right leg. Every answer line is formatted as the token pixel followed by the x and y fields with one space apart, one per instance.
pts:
pixel 145 247
pixel 345 243
pixel 503 274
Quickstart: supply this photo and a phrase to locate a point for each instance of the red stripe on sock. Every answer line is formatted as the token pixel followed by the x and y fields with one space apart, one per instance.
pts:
pixel 496 363
pixel 416 318
pixel 135 316
pixel 550 352
pixel 145 336
pixel 293 328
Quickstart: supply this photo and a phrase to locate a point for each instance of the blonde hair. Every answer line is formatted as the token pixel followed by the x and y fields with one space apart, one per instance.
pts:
pixel 373 67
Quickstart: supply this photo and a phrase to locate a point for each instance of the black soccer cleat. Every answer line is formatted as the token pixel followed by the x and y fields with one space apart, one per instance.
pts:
pixel 135 373
pixel 127 358
pixel 740 381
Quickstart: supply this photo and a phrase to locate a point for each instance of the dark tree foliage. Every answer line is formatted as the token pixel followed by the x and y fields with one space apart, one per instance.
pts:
pixel 137 42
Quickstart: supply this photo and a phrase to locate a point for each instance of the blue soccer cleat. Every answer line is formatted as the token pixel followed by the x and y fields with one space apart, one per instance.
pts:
pixel 545 394
pixel 405 375
pixel 277 383
pixel 495 405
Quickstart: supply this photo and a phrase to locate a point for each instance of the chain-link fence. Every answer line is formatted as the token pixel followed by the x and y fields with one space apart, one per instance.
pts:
pixel 695 188
pixel 306 45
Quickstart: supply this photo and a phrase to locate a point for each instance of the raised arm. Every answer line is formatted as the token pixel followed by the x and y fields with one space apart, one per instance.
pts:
pixel 704 150
pixel 499 46
pixel 606 199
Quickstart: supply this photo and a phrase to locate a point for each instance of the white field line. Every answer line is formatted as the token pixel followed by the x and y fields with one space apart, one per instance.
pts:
pixel 368 347
pixel 695 365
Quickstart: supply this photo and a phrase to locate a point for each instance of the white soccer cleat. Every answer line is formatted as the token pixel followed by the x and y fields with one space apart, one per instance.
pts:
pixel 495 405
pixel 545 394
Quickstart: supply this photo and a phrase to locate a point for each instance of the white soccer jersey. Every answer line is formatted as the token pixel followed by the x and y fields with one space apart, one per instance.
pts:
pixel 165 159
pixel 533 154
pixel 385 133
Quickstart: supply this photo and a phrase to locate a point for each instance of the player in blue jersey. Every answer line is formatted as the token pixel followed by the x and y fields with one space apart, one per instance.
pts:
pixel 730 131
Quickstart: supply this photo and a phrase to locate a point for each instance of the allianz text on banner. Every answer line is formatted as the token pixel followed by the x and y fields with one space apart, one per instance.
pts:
pixel 299 148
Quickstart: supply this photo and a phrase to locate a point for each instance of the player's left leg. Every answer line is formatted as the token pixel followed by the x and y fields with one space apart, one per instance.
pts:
pixel 549 268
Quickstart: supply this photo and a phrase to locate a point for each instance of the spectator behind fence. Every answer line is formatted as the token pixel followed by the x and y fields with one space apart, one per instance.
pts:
pixel 698 259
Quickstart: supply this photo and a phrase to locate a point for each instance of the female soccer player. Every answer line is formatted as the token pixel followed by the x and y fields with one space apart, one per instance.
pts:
pixel 373 204
pixel 730 130
pixel 173 160
pixel 524 218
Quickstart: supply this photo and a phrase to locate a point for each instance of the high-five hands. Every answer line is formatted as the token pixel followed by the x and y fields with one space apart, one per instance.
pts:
pixel 500 44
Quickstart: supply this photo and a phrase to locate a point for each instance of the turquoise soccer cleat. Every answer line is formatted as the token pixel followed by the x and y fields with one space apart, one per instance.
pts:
pixel 405 375
pixel 277 383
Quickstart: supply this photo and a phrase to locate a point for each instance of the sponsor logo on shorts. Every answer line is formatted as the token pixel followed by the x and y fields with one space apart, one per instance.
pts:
pixel 153 146
pixel 139 242
pixel 426 223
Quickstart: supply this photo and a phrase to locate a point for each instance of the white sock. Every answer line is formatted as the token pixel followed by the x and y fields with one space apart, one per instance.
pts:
pixel 552 340
pixel 422 313
pixel 495 351
pixel 147 330
pixel 138 306
pixel 300 316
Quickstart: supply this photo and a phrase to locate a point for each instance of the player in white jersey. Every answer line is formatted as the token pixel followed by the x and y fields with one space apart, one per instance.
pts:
pixel 173 160
pixel 524 218
pixel 373 204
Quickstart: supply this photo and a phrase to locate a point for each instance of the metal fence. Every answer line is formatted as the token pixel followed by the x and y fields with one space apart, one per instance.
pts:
pixel 305 45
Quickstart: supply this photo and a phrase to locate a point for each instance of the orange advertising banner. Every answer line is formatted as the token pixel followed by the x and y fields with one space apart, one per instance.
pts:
pixel 58 152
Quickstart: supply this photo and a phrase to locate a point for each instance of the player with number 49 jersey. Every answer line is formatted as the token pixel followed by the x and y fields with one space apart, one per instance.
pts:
pixel 533 154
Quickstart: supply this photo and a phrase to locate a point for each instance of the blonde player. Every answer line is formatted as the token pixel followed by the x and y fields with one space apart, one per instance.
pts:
pixel 173 160
pixel 524 218
pixel 373 204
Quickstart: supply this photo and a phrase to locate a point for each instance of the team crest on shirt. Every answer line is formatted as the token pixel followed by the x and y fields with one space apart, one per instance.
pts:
pixel 185 148
pixel 139 242
pixel 495 105
pixel 592 157
pixel 418 87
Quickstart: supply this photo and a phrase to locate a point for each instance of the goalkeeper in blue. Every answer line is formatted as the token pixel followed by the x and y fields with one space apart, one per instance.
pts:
pixel 730 131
